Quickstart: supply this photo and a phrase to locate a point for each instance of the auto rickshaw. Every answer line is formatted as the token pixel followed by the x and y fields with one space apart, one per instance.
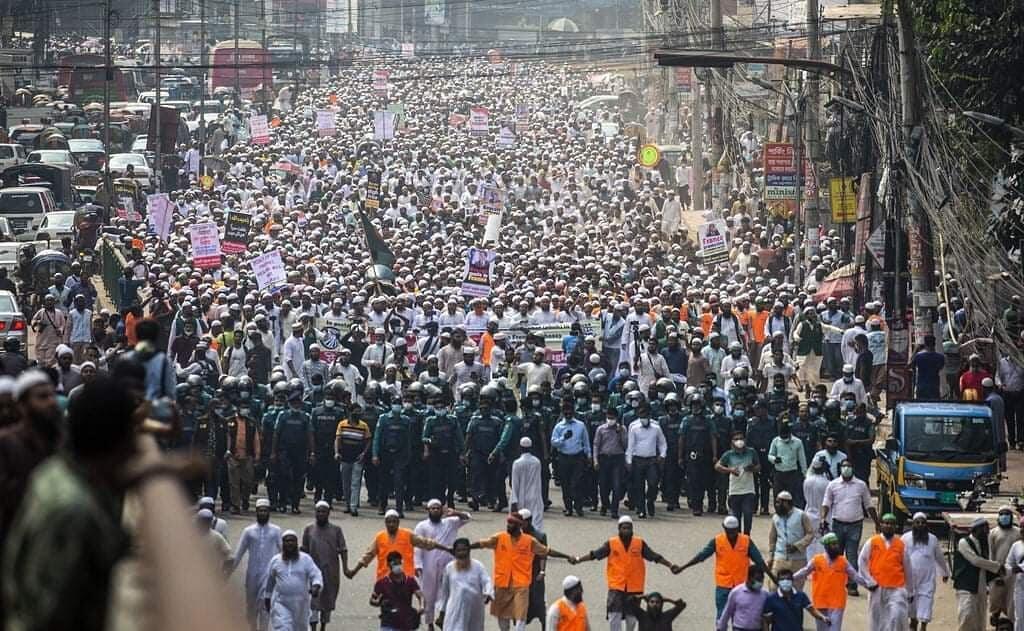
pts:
pixel 86 183
pixel 122 187
pixel 37 274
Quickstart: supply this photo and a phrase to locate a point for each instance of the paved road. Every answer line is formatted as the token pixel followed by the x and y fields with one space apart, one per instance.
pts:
pixel 677 536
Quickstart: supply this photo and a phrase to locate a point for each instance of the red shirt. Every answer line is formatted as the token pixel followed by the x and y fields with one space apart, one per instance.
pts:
pixel 971 380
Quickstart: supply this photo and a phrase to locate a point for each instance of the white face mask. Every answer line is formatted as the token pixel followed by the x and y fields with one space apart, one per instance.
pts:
pixel 634 404
pixel 595 407
pixel 329 403
pixel 739 444
pixel 718 409
pixel 645 422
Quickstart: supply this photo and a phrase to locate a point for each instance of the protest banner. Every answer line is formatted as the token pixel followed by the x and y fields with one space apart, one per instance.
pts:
pixel 479 119
pixel 457 120
pixel 259 131
pixel 408 50
pixel 506 137
pixel 205 239
pixel 522 119
pixel 160 212
pixel 380 82
pixel 372 190
pixel 492 201
pixel 713 243
pixel 553 334
pixel 326 123
pixel 236 232
pixel 269 270
pixel 476 277
pixel 384 125
pixel 333 328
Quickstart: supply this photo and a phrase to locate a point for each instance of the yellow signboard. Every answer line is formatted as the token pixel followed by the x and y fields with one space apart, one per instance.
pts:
pixel 843 198
pixel 649 156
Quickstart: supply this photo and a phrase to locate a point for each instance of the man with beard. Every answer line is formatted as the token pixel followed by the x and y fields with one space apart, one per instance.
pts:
pixel 292 577
pixel 569 612
pixel 829 572
pixel 535 610
pixel 885 565
pixel 627 558
pixel 394 539
pixel 926 557
pixel 442 525
pixel 972 571
pixel 28 442
pixel 654 617
pixel 514 552
pixel 1000 596
pixel 261 541
pixel 48 323
pixel 325 543
pixel 466 588
pixel 526 483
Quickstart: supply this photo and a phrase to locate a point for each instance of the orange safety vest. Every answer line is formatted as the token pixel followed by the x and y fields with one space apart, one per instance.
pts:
pixel 402 543
pixel 486 346
pixel 828 587
pixel 758 318
pixel 731 563
pixel 886 563
pixel 706 320
pixel 570 619
pixel 513 561
pixel 626 569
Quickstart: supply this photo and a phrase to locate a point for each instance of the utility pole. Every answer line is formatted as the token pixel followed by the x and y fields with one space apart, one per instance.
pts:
pixel 108 76
pixel 238 82
pixel 697 147
pixel 812 212
pixel 202 84
pixel 716 127
pixel 917 224
pixel 158 162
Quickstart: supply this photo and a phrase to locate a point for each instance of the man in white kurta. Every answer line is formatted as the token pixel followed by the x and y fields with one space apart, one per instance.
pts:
pixel 671 216
pixel 291 582
pixel 1015 574
pixel 971 607
pixel 888 605
pixel 527 484
pixel 441 525
pixel 261 541
pixel 927 560
pixel 466 588
pixel 814 496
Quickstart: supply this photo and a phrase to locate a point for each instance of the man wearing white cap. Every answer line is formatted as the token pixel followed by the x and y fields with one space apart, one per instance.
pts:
pixel 849 383
pixel 626 572
pixel 734 552
pixel 884 563
pixel 1000 540
pixel 442 525
pixel 261 541
pixel 48 323
pixel 219 524
pixel 849 350
pixel 292 580
pixel 972 571
pixel 527 484
pixel 926 559
pixel 790 534
pixel 569 613
pixel 325 543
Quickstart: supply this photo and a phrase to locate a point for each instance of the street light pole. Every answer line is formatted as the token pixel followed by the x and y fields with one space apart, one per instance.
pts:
pixel 108 75
pixel 158 161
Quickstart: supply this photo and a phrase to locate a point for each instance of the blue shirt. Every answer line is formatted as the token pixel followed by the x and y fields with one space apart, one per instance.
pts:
pixel 927 368
pixel 787 614
pixel 578 443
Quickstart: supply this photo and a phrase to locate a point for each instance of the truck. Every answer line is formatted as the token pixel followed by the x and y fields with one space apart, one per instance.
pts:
pixel 939 456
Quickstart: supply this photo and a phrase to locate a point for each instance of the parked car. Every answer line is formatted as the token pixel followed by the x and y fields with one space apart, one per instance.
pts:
pixel 56 225
pixel 139 144
pixel 12 319
pixel 25 207
pixel 119 165
pixel 12 155
pixel 62 157
pixel 89 153
pixel 6 231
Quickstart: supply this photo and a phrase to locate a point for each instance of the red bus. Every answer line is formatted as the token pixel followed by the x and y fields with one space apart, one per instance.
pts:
pixel 254 69
pixel 83 74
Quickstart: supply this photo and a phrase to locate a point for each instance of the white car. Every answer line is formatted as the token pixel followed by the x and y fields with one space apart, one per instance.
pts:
pixel 11 155
pixel 143 175
pixel 56 225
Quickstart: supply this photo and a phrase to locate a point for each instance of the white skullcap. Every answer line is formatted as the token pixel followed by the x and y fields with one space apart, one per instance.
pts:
pixel 784 495
pixel 263 503
pixel 391 513
pixel 847 368
pixel 980 521
pixel 731 522
pixel 28 380
pixel 625 519
pixel 322 504
pixel 205 513
pixel 524 513
pixel 64 349
pixel 525 442
pixel 1005 508
pixel 569 582
pixel 289 533
pixel 434 503
pixel 919 515
pixel 6 385
pixel 85 365
pixel 987 382
pixel 206 501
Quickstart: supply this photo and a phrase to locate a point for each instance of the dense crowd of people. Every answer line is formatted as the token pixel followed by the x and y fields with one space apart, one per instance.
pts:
pixel 604 357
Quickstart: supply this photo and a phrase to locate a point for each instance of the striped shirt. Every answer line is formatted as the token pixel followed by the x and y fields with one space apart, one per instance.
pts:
pixel 353 437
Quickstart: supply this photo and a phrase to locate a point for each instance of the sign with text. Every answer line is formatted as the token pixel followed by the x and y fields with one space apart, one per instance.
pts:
pixel 713 242
pixel 476 278
pixel 326 122
pixel 269 270
pixel 160 213
pixel 492 201
pixel 205 239
pixel 779 171
pixel 684 79
pixel 236 232
pixel 479 119
pixel 259 131
pixel 372 190
pixel 384 125
pixel 380 82
pixel 843 197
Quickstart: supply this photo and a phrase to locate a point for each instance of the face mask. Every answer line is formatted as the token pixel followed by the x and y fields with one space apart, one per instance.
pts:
pixel 1005 520
pixel 661 396
pixel 739 444
pixel 741 382
pixel 848 378
pixel 595 407
pixel 611 421
pixel 330 403
pixel 718 409
pixel 645 422
pixel 623 372
pixel 243 395
pixel 847 472
pixel 812 410
pixel 407 406
pixel 396 407
pixel 739 413
pixel 756 585
pixel 786 585
pixel 634 404
pixel 848 405
pixel 396 569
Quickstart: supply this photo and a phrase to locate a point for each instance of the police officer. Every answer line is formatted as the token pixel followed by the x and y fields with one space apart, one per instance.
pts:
pixel 268 425
pixel 777 400
pixel 536 427
pixel 325 418
pixel 807 430
pixel 293 447
pixel 760 431
pixel 222 411
pixel 724 425
pixel 482 436
pixel 414 409
pixel 442 446
pixel 369 412
pixel 742 390
pixel 671 422
pixel 662 388
pixel 464 410
pixel 392 445
pixel 697 443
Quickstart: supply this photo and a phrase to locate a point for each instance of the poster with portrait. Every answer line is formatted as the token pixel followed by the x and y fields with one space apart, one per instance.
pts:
pixel 476 278
pixel 714 241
